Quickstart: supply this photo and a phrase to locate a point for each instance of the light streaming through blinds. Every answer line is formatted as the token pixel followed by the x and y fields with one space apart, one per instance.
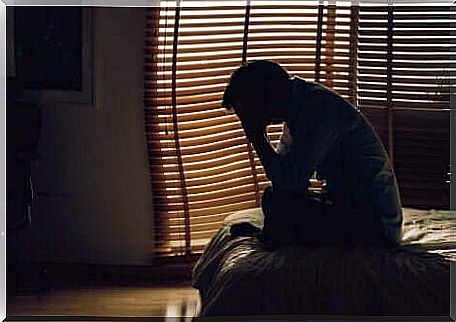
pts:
pixel 404 84
pixel 201 166
pixel 217 171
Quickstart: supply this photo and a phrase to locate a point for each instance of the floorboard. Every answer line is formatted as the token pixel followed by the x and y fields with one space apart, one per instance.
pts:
pixel 166 302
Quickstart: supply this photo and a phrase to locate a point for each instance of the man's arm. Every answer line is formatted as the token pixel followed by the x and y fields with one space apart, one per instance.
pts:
pixel 256 133
pixel 327 118
pixel 285 172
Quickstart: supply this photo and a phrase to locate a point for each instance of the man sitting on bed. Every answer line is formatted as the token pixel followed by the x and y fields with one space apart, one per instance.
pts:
pixel 323 133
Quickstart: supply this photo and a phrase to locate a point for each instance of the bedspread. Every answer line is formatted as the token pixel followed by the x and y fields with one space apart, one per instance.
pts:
pixel 236 276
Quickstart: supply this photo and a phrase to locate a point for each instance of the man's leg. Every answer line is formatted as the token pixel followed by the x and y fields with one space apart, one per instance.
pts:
pixel 321 223
pixel 358 220
pixel 297 218
pixel 278 219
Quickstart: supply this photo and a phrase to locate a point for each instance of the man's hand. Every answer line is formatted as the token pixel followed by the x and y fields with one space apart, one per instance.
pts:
pixel 254 126
pixel 283 175
pixel 255 132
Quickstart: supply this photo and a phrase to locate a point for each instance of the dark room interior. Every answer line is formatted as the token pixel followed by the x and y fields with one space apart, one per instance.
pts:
pixel 128 183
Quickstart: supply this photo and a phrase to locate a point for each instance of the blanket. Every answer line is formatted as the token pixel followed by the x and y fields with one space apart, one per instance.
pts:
pixel 235 276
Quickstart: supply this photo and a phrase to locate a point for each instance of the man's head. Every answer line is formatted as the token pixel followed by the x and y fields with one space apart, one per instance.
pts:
pixel 259 89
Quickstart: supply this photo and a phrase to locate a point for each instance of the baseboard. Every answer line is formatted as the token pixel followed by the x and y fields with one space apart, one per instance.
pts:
pixel 41 277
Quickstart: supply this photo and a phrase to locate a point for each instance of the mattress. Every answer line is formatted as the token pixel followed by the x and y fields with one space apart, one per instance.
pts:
pixel 235 276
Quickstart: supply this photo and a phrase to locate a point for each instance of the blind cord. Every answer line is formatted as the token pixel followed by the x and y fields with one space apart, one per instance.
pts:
pixel 176 132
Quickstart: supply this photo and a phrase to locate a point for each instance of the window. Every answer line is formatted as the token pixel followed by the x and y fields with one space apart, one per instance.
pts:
pixel 202 167
pixel 404 82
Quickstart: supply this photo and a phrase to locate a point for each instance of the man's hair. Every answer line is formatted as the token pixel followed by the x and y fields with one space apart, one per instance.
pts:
pixel 247 83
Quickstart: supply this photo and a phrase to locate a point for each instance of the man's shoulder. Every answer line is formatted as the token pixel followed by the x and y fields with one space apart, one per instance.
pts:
pixel 313 86
pixel 316 105
pixel 328 101
pixel 310 87
pixel 319 89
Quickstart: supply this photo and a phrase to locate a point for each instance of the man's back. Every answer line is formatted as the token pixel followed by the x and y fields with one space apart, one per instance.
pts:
pixel 350 155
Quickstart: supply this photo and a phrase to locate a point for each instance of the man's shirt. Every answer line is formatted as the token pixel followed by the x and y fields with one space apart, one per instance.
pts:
pixel 326 134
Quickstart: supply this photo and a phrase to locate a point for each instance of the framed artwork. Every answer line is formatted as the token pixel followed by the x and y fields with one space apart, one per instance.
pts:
pixel 53 52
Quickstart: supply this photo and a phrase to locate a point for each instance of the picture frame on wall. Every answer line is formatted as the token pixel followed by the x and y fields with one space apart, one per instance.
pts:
pixel 53 52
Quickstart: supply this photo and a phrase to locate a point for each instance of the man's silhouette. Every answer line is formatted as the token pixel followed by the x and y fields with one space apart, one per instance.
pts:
pixel 323 133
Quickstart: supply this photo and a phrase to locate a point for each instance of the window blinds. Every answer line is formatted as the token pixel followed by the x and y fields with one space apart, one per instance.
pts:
pixel 202 167
pixel 404 65
pixel 211 175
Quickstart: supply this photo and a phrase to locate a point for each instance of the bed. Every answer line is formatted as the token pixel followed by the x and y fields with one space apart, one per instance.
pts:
pixel 235 276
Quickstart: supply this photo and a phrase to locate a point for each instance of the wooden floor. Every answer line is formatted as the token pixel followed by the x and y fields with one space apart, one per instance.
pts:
pixel 165 302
